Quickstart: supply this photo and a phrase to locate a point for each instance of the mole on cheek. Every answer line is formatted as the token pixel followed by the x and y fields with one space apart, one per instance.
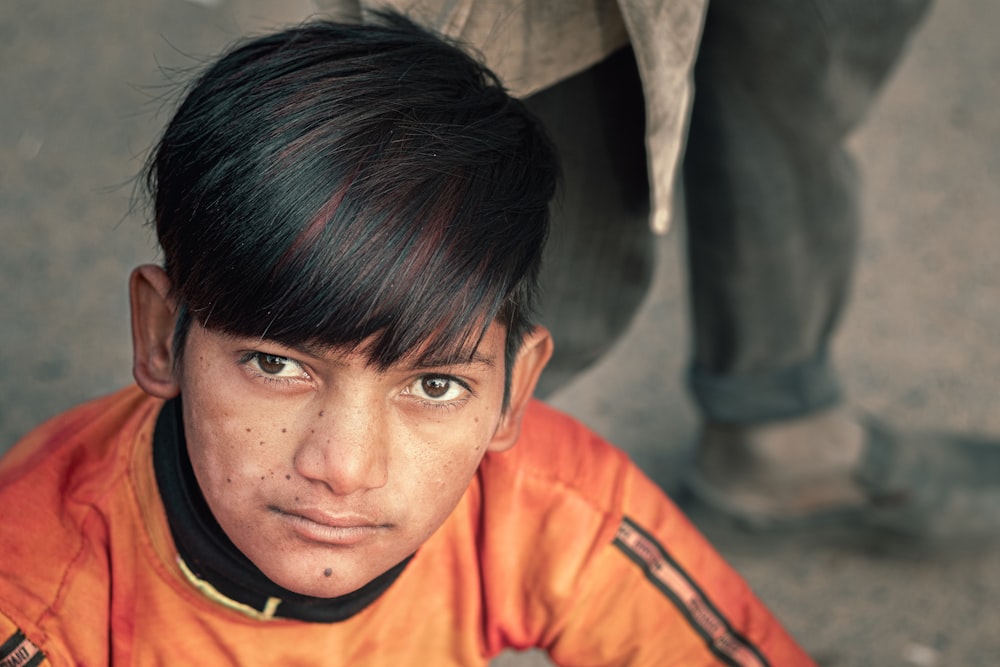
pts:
pixel 288 476
pixel 284 430
pixel 328 572
pixel 322 412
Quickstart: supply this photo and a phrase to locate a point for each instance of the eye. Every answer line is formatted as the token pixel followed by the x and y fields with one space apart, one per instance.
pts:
pixel 274 365
pixel 438 388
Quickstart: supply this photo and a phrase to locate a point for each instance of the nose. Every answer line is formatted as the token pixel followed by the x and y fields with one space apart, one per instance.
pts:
pixel 346 449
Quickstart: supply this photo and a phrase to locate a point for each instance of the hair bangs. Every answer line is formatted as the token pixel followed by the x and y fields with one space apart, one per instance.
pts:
pixel 402 276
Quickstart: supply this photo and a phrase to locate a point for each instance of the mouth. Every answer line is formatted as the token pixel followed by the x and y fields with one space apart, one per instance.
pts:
pixel 331 529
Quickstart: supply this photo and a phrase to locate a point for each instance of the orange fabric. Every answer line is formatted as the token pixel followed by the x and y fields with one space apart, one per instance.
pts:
pixel 529 558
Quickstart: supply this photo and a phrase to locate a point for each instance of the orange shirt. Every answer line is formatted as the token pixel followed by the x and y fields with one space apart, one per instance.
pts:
pixel 560 543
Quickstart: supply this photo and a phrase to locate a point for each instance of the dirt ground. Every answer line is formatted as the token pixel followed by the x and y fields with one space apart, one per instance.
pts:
pixel 83 96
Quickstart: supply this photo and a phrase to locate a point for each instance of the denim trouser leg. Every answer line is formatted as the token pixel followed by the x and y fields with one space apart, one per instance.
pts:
pixel 770 194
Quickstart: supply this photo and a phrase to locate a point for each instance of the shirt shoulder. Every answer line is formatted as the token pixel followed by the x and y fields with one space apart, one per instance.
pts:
pixel 81 442
pixel 61 488
pixel 549 506
pixel 585 556
pixel 566 458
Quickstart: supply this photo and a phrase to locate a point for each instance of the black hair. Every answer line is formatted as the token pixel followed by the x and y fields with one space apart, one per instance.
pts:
pixel 337 183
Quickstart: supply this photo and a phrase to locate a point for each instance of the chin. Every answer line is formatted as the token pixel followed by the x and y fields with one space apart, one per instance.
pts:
pixel 326 592
pixel 315 583
pixel 319 586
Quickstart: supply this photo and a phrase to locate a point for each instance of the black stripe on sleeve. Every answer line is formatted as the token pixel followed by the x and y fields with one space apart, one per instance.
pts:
pixel 673 581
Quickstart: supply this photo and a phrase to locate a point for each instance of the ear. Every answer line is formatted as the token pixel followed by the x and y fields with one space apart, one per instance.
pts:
pixel 535 352
pixel 154 314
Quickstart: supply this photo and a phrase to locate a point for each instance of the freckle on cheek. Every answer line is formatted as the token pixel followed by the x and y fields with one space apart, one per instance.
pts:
pixel 288 476
pixel 248 430
pixel 284 430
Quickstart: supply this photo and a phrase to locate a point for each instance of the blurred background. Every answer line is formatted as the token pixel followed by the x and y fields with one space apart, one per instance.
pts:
pixel 84 94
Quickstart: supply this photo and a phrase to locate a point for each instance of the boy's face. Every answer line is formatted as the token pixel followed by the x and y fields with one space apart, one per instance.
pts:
pixel 324 471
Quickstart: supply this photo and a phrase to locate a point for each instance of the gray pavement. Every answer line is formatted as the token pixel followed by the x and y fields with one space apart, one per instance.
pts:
pixel 82 98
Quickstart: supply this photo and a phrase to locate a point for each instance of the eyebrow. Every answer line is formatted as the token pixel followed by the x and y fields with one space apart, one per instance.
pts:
pixel 475 359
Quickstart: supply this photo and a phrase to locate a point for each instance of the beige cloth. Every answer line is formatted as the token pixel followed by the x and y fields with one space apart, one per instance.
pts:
pixel 532 44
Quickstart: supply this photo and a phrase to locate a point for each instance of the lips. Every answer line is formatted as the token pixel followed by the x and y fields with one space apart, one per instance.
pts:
pixel 332 529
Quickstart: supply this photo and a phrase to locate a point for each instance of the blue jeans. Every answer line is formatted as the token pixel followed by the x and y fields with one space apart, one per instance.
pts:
pixel 770 195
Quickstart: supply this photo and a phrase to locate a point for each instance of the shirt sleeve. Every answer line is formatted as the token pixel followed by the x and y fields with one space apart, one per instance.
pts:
pixel 659 594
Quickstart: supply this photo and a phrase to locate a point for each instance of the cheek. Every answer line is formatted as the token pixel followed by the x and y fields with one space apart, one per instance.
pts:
pixel 451 459
pixel 231 448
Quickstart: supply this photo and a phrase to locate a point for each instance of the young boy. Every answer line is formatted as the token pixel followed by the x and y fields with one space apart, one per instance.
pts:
pixel 332 456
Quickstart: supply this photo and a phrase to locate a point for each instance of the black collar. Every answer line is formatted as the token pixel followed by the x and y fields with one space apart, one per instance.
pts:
pixel 214 559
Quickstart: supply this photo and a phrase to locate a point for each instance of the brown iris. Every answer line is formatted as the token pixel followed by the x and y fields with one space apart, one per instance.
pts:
pixel 435 387
pixel 271 363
